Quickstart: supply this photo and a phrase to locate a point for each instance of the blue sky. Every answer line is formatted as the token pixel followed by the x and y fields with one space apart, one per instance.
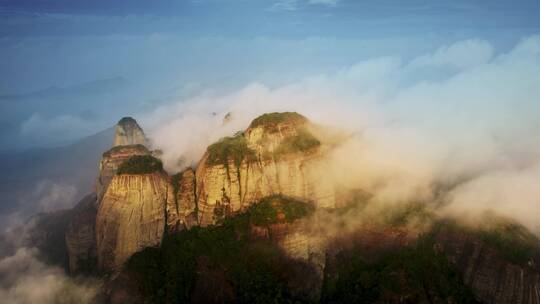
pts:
pixel 72 68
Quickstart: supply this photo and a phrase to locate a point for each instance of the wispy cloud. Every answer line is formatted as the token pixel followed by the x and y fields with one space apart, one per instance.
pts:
pixel 292 5
pixel 324 2
pixel 25 280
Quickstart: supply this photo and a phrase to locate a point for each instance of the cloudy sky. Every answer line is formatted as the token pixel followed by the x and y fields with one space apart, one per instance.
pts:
pixel 72 68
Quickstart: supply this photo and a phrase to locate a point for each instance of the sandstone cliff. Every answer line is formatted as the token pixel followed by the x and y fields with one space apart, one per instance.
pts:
pixel 110 162
pixel 273 156
pixel 182 205
pixel 81 233
pixel 131 216
pixel 129 133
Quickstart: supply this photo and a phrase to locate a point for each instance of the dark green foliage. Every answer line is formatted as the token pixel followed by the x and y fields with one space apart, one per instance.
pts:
pixel 169 274
pixel 279 208
pixel 270 120
pixel 175 180
pixel 302 142
pixel 230 148
pixel 127 120
pixel 401 215
pixel 140 164
pixel 116 149
pixel 416 272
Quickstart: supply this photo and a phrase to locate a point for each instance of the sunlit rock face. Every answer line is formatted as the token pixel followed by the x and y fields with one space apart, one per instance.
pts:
pixel 275 155
pixel 129 133
pixel 131 216
pixel 110 162
pixel 129 140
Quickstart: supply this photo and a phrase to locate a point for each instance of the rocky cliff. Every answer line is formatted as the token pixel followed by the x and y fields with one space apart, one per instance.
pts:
pixel 81 233
pixel 131 216
pixel 492 276
pixel 275 155
pixel 129 133
pixel 138 205
pixel 182 206
pixel 110 162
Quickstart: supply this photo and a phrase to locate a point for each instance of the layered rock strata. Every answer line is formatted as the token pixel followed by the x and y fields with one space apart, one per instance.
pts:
pixel 273 156
pixel 131 216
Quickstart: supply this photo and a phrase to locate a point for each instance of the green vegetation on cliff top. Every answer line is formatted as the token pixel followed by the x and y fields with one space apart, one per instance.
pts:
pixel 276 208
pixel 270 120
pixel 302 142
pixel 229 148
pixel 140 164
pixel 117 149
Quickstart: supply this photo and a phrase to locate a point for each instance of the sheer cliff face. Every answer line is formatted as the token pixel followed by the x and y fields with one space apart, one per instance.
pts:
pixel 275 155
pixel 181 204
pixel 131 216
pixel 129 133
pixel 278 154
pixel 110 162
pixel 491 278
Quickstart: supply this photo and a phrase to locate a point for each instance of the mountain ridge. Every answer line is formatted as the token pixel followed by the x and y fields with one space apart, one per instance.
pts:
pixel 245 197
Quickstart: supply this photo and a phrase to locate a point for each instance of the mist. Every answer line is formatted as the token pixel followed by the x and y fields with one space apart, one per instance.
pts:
pixel 24 279
pixel 456 126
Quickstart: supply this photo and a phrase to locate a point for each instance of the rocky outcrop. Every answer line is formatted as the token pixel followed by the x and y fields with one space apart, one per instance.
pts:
pixel 275 155
pixel 131 216
pixel 81 236
pixel 492 278
pixel 182 206
pixel 110 162
pixel 129 133
pixel 129 141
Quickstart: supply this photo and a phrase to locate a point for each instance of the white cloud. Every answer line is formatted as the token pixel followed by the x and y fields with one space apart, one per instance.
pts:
pixel 460 55
pixel 324 2
pixel 26 280
pixel 292 5
pixel 284 5
pixel 416 132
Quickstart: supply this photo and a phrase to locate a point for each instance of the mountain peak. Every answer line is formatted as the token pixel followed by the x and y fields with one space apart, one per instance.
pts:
pixel 128 132
pixel 271 121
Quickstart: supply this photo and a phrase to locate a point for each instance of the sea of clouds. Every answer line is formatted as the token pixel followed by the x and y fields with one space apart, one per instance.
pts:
pixel 458 125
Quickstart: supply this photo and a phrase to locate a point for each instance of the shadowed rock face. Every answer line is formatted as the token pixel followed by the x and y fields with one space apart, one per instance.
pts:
pixel 182 206
pixel 129 133
pixel 81 236
pixel 491 278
